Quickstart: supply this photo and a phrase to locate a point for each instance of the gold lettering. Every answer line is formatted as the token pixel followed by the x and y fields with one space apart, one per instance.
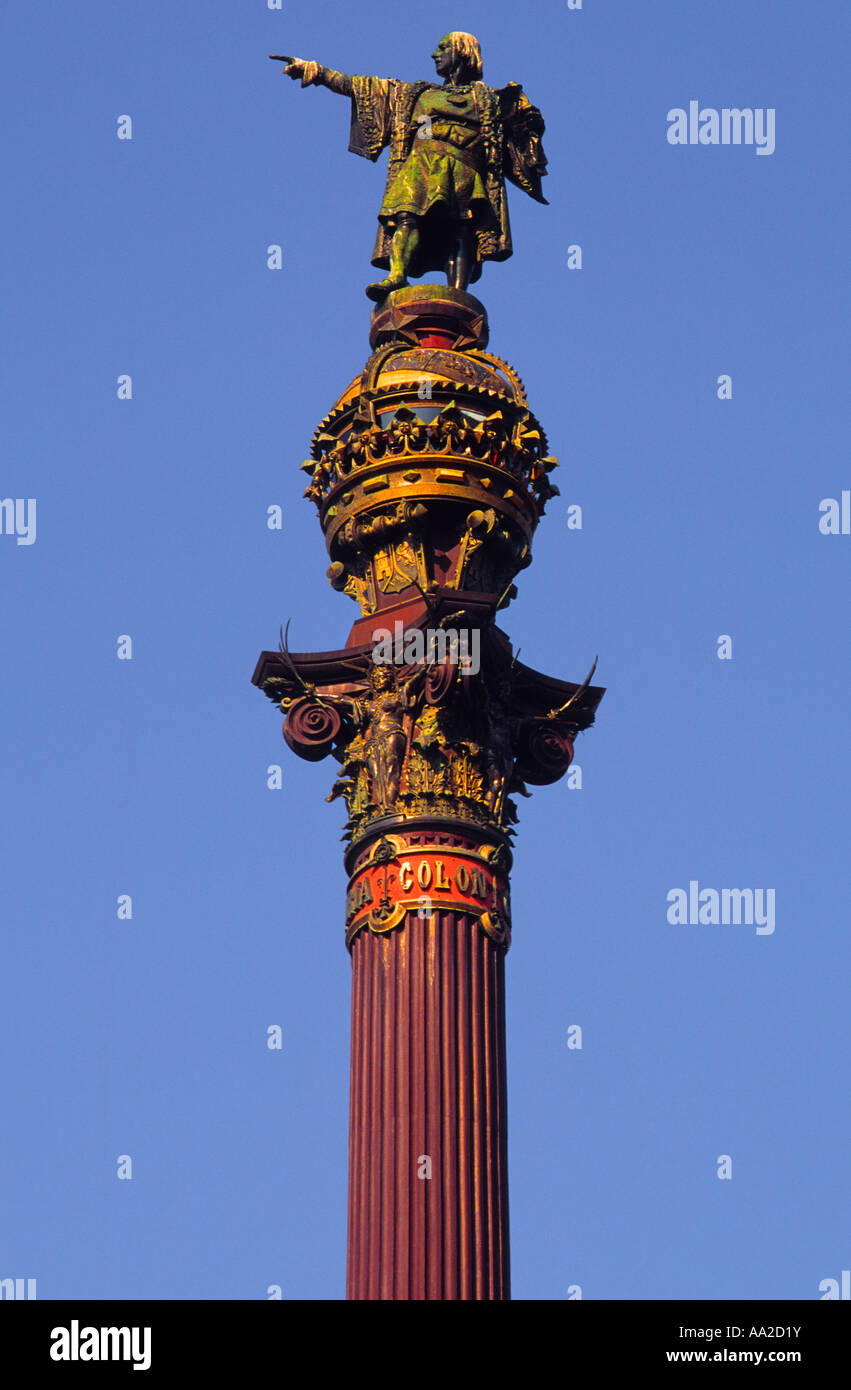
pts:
pixel 462 878
pixel 357 897
pixel 440 879
pixel 424 874
pixel 406 877
pixel 479 884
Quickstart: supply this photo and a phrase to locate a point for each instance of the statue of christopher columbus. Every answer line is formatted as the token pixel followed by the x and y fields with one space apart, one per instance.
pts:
pixel 452 146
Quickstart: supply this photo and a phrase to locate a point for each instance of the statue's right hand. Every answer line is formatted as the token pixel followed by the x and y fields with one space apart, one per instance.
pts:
pixel 305 69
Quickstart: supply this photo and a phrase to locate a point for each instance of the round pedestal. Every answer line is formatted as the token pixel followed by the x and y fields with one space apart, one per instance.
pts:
pixel 431 316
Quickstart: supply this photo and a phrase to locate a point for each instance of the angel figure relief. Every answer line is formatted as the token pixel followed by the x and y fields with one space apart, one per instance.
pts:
pixel 382 717
pixel 452 146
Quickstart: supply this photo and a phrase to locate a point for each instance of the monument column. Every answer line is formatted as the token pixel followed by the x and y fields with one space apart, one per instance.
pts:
pixel 430 474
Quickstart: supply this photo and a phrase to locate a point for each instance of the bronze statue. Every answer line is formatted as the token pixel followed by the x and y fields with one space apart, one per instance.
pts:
pixel 382 717
pixel 451 149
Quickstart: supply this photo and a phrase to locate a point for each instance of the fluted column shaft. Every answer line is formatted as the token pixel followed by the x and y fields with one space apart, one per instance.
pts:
pixel 428 1173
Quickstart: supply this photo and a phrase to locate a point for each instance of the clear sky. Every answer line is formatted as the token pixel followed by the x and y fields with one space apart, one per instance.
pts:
pixel 147 777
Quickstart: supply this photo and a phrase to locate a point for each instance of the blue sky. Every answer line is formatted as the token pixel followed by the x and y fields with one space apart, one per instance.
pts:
pixel 148 777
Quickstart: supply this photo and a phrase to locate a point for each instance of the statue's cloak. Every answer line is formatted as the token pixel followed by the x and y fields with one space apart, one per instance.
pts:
pixel 511 128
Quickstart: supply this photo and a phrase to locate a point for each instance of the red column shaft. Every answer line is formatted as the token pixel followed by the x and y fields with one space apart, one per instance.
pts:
pixel 428 1172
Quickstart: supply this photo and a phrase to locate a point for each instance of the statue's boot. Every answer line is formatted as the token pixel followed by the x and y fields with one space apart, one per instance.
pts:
pixel 402 248
pixel 462 266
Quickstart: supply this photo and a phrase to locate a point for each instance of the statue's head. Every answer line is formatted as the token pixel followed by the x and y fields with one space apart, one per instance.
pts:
pixel 381 678
pixel 459 54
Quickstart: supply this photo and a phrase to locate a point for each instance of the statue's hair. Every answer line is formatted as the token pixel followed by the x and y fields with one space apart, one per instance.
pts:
pixel 467 47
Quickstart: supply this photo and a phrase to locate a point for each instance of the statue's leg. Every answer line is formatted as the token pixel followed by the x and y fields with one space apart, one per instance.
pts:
pixel 403 247
pixel 451 265
pixel 460 263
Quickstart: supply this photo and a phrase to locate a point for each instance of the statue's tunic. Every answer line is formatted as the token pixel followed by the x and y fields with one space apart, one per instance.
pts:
pixel 446 164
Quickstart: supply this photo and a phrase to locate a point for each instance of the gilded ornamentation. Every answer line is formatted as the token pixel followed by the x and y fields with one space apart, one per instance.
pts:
pixel 430 740
pixel 507 438
pixel 400 877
